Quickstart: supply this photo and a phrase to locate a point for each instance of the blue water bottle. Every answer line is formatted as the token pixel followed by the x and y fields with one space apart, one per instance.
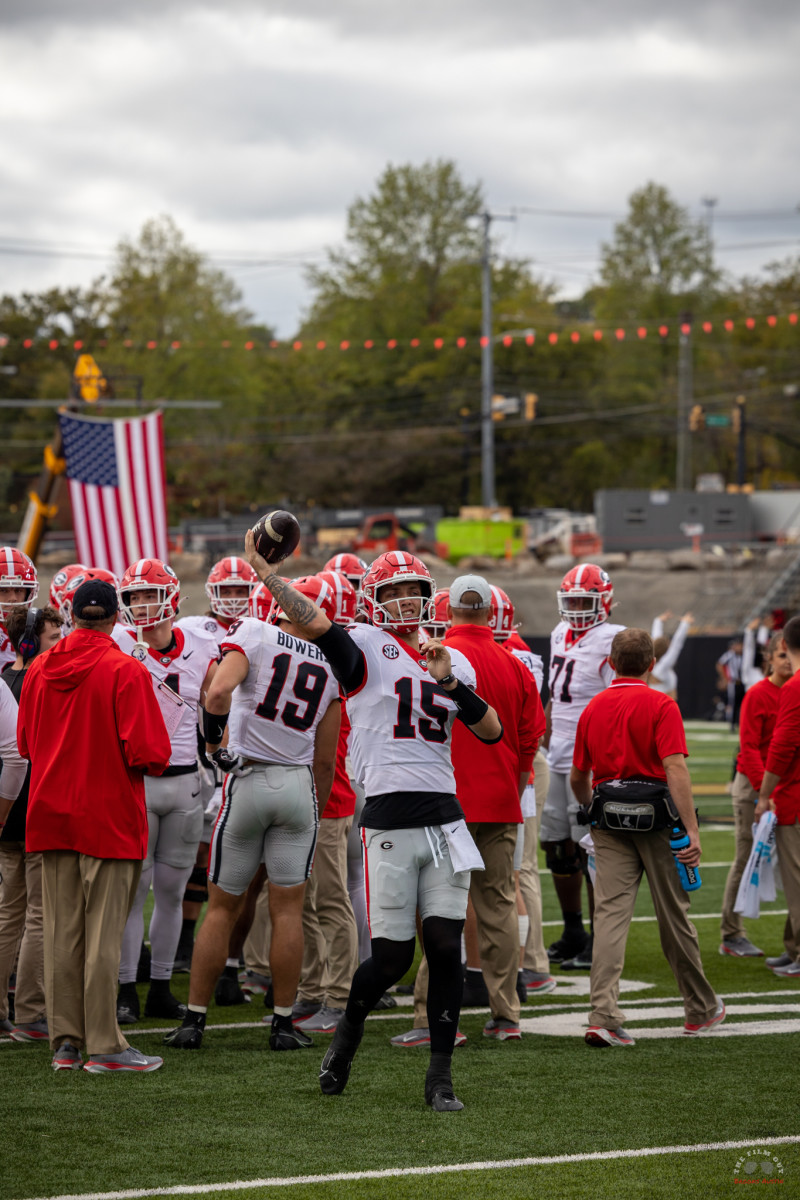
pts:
pixel 689 876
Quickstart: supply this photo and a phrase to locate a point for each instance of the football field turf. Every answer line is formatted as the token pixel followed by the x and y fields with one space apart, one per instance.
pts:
pixel 546 1116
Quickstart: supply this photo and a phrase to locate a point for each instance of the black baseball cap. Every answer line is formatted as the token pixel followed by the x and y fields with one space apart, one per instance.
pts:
pixel 95 593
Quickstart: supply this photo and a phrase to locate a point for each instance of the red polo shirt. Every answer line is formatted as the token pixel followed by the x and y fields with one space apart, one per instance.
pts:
pixel 487 776
pixel 756 725
pixel 625 732
pixel 783 756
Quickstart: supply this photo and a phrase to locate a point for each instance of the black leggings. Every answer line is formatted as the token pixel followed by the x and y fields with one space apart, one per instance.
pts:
pixel 389 962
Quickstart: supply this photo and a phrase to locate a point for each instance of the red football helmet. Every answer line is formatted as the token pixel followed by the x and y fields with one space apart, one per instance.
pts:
pixel 149 573
pixel 74 582
pixel 230 584
pixel 350 565
pixel 397 566
pixel 501 617
pixel 439 623
pixel 314 589
pixel 585 596
pixel 344 596
pixel 259 602
pixel 17 572
pixel 60 581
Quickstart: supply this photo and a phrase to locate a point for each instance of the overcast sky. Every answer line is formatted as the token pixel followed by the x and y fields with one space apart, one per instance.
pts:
pixel 256 124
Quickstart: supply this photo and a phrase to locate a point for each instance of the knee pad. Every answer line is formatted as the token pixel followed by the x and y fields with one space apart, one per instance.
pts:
pixel 562 858
pixel 197 887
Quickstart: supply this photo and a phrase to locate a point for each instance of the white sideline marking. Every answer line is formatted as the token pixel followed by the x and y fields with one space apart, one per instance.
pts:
pixel 765 912
pixel 571 1024
pixel 199 1189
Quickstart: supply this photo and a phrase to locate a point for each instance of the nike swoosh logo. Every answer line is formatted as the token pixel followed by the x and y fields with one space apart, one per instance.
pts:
pixel 187 655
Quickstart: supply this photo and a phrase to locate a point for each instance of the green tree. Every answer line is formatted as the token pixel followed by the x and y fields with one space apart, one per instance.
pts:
pixel 659 262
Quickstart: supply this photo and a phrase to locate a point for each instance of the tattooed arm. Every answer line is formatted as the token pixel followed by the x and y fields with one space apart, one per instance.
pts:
pixel 300 611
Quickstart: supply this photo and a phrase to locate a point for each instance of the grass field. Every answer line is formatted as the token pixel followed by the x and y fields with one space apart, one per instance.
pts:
pixel 546 1116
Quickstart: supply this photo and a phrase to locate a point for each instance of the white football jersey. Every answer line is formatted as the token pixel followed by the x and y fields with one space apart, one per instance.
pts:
pixel 204 624
pixel 289 688
pixel 534 663
pixel 8 655
pixel 183 669
pixel 401 722
pixel 576 673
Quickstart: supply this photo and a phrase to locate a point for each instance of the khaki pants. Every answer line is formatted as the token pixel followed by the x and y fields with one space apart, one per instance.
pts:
pixel 787 841
pixel 621 859
pixel 535 956
pixel 330 956
pixel 256 946
pixel 21 930
pixel 86 902
pixel 495 902
pixel 744 799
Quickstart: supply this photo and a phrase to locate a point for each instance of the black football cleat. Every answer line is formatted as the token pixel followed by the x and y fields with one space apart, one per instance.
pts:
pixel 335 1069
pixel 228 991
pixel 288 1037
pixel 164 1004
pixel 189 1035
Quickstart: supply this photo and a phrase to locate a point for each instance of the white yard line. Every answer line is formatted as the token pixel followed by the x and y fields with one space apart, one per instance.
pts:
pixel 239 1185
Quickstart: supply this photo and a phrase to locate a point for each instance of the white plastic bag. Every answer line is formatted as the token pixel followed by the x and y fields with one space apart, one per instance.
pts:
pixel 760 879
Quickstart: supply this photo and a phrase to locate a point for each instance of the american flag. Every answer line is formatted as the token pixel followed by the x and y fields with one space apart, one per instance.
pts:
pixel 116 485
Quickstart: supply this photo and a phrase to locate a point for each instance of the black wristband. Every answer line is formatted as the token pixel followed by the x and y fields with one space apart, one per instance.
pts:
pixel 471 708
pixel 214 726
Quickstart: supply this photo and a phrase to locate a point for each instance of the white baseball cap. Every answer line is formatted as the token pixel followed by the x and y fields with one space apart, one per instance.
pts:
pixel 470 583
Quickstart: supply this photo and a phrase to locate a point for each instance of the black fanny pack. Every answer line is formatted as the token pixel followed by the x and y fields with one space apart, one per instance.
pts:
pixel 632 806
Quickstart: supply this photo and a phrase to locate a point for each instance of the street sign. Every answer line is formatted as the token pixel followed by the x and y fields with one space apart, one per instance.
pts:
pixel 719 419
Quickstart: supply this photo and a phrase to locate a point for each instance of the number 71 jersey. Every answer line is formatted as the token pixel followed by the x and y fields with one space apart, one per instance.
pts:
pixel 401 721
pixel 576 673
pixel 289 687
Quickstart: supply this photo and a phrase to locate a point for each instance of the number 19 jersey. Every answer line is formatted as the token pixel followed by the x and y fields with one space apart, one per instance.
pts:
pixel 401 721
pixel 578 670
pixel 289 687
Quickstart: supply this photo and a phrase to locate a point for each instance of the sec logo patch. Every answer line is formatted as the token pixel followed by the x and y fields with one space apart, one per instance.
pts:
pixel 391 652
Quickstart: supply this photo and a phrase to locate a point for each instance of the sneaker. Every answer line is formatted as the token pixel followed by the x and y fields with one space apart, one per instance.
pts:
pixel 164 1004
pixel 781 960
pixel 323 1021
pixel 189 1035
pixel 538 983
pixel 566 948
pixel 288 1037
pixel 302 1010
pixel 475 994
pixel 253 983
pixel 422 1037
pixel 386 1001
pixel 502 1030
pixel 790 971
pixel 228 992
pixel 30 1031
pixel 596 1035
pixel 522 991
pixel 718 1017
pixel 182 964
pixel 582 960
pixel 334 1071
pixel 740 947
pixel 128 1060
pixel 7 1026
pixel 67 1058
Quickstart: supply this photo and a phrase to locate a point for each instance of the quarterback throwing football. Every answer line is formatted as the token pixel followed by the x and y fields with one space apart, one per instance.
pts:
pixel 402 699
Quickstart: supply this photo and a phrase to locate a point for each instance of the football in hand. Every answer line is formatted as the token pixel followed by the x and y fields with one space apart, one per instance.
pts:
pixel 277 535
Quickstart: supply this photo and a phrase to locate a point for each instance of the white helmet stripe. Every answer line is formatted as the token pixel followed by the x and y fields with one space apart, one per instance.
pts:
pixel 580 571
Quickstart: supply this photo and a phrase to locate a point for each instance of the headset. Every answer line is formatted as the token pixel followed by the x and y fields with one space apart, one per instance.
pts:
pixel 29 644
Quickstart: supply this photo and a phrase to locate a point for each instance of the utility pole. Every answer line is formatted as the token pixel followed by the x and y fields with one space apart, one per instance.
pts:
pixel 683 465
pixel 488 493
pixel 740 429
